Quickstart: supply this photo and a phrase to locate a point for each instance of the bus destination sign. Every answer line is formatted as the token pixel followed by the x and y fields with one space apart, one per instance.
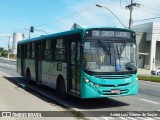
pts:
pixel 109 33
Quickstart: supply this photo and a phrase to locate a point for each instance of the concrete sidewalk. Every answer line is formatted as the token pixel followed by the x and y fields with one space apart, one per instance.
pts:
pixel 15 98
pixel 142 71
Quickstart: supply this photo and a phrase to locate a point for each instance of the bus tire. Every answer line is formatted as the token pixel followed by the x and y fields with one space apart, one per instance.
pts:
pixel 62 88
pixel 28 76
pixel 158 73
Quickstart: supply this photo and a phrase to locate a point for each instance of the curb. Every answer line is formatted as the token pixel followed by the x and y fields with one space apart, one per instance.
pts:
pixel 28 88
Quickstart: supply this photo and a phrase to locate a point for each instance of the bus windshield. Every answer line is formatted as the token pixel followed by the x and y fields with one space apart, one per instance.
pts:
pixel 104 56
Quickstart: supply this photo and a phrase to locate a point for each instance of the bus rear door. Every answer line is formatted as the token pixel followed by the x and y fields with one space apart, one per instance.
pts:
pixel 39 63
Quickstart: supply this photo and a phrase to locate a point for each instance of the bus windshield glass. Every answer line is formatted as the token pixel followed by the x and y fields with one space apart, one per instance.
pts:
pixel 102 56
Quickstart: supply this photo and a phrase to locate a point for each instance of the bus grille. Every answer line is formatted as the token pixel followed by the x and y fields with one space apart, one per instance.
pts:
pixel 113 76
pixel 115 85
pixel 106 92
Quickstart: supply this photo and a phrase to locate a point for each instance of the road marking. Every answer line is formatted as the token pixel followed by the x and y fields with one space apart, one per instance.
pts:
pixel 108 118
pixel 131 118
pixel 141 118
pixel 149 118
pixel 92 118
pixel 150 101
pixel 6 65
pixel 157 118
pixel 158 110
pixel 123 118
pixel 149 84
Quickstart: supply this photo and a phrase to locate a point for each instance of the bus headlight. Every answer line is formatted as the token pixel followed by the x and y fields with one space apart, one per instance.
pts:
pixel 133 83
pixel 92 84
pixel 97 86
pixel 86 80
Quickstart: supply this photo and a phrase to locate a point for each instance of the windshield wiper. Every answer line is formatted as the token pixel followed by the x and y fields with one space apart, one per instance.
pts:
pixel 107 51
pixel 122 47
pixel 104 47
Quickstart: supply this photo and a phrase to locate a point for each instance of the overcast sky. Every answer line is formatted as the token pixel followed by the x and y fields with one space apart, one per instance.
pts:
pixel 59 15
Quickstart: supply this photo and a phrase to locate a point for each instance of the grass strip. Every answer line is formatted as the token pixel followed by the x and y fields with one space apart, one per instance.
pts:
pixel 149 78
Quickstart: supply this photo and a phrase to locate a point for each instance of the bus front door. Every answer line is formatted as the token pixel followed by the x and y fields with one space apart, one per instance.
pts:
pixel 75 67
pixel 39 63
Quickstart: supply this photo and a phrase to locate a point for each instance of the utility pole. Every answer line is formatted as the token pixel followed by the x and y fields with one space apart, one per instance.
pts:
pixel 9 47
pixel 130 7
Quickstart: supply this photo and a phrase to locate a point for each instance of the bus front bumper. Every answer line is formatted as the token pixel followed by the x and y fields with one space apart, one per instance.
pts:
pixel 102 92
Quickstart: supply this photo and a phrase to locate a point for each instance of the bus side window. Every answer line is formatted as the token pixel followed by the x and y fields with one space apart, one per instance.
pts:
pixel 33 50
pixel 60 49
pixel 28 50
pixel 48 50
pixel 19 51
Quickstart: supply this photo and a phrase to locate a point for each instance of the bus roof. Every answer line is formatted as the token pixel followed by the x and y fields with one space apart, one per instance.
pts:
pixel 65 33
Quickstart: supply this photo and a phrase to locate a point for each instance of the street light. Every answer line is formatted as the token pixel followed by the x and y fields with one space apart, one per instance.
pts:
pixel 100 6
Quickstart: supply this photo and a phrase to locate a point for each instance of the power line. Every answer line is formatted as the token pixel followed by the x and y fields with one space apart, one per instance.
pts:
pixel 146 19
pixel 151 8
pixel 148 11
pixel 142 10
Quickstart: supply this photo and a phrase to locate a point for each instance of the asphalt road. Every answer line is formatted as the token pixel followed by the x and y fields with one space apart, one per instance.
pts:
pixel 148 98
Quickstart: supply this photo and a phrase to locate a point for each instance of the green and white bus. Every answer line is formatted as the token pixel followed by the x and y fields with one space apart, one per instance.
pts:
pixel 87 62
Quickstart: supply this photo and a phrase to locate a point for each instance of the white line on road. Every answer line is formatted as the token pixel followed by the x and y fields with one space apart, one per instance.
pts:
pixel 131 118
pixel 157 118
pixel 6 65
pixel 92 118
pixel 141 118
pixel 108 118
pixel 148 83
pixel 158 110
pixel 1 65
pixel 150 101
pixel 123 118
pixel 149 118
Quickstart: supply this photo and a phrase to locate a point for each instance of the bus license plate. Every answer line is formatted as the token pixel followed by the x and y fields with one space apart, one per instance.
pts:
pixel 115 91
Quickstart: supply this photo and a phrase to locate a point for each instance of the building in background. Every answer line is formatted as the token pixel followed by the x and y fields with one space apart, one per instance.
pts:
pixel 148 42
pixel 16 37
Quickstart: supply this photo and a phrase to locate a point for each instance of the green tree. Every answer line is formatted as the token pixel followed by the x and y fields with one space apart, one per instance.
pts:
pixel 4 53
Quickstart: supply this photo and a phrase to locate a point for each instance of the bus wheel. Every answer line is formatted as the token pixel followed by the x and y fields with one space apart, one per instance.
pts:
pixel 62 89
pixel 28 77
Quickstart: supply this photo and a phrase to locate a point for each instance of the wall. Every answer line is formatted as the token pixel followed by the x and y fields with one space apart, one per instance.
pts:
pixel 145 28
pixel 143 47
pixel 157 60
pixel 16 37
